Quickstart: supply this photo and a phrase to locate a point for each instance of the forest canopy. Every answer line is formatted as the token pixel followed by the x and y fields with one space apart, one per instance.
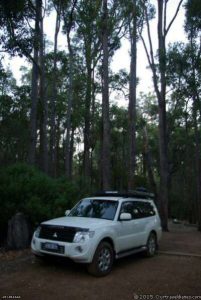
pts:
pixel 60 126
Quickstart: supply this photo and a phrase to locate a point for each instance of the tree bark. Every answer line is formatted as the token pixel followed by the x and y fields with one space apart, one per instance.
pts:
pixel 197 163
pixel 160 90
pixel 53 100
pixel 69 110
pixel 57 145
pixel 68 27
pixel 163 191
pixel 87 111
pixel 106 163
pixel 43 99
pixel 71 152
pixel 196 112
pixel 34 91
pixel 132 99
pixel 149 165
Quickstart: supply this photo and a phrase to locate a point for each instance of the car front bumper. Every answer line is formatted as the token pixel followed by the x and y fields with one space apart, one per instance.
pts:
pixel 78 252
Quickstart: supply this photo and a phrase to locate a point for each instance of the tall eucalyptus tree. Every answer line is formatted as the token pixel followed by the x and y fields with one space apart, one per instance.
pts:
pixel 193 29
pixel 54 88
pixel 106 163
pixel 112 29
pixel 159 81
pixel 88 19
pixel 132 94
pixel 68 10
pixel 34 87
pixel 42 94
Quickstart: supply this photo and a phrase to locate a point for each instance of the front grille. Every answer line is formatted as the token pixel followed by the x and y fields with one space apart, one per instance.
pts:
pixel 58 233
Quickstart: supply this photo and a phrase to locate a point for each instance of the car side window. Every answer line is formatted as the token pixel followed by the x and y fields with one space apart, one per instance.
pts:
pixel 138 209
pixel 127 207
pixel 145 209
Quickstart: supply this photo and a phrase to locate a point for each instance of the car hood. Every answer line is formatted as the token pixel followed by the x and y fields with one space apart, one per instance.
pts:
pixel 90 223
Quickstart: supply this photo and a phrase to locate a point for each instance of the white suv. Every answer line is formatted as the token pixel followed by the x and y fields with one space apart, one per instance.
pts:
pixel 101 228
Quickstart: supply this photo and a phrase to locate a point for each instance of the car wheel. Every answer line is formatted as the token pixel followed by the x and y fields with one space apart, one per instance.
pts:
pixel 102 260
pixel 151 245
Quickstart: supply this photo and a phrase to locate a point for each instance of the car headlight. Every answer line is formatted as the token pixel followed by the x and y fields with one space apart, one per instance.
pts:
pixel 37 232
pixel 83 236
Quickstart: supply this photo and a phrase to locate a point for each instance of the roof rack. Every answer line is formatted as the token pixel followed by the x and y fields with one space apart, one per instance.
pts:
pixel 138 193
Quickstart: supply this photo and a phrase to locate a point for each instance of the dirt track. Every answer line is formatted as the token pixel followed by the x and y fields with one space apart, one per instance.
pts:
pixel 162 275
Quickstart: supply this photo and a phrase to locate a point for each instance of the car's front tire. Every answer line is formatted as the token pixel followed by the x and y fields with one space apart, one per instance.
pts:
pixel 102 260
pixel 151 245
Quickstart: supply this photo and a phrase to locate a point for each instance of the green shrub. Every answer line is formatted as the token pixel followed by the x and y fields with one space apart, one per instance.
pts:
pixel 38 196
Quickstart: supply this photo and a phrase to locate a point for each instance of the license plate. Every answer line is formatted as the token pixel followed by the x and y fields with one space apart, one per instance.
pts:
pixel 51 246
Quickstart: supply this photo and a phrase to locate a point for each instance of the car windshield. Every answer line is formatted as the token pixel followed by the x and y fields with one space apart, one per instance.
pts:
pixel 95 208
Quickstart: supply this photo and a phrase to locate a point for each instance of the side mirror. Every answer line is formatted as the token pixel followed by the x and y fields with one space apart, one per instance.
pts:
pixel 125 217
pixel 67 212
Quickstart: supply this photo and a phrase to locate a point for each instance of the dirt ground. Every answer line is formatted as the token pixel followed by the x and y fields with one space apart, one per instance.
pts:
pixel 171 272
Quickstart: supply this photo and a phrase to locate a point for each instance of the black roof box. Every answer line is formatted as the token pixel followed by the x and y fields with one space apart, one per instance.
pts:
pixel 138 193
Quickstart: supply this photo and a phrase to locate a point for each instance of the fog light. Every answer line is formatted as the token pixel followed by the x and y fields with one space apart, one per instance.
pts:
pixel 79 249
pixel 34 241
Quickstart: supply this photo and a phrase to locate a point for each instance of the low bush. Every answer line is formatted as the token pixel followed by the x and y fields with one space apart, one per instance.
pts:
pixel 26 189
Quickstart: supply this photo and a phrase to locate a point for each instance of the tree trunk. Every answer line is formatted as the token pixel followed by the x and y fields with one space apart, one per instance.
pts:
pixel 34 91
pixel 43 99
pixel 69 111
pixel 53 100
pixel 68 22
pixel 132 99
pixel 106 163
pixel 196 111
pixel 163 30
pixel 57 146
pixel 149 165
pixel 71 152
pixel 87 112
pixel 93 121
pixel 197 163
pixel 163 191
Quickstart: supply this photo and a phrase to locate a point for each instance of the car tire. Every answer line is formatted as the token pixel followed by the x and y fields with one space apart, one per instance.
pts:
pixel 102 260
pixel 151 245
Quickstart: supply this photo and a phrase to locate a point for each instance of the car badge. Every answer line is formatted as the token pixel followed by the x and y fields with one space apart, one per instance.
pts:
pixel 55 235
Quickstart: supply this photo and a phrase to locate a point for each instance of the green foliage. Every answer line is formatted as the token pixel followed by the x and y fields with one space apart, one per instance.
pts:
pixel 16 36
pixel 39 197
pixel 193 16
pixel 14 120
